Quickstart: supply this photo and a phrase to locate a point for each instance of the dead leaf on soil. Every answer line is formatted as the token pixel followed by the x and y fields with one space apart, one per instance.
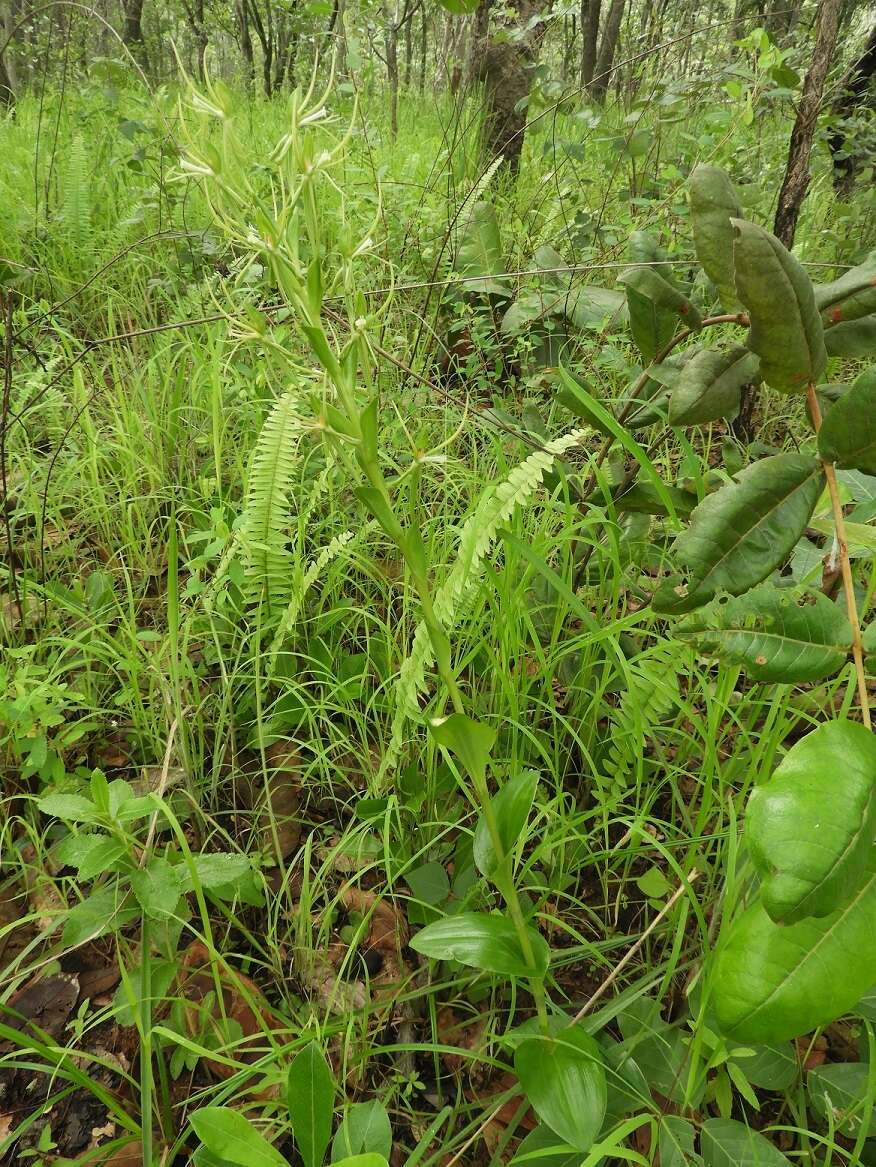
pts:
pixel 43 1006
pixel 276 799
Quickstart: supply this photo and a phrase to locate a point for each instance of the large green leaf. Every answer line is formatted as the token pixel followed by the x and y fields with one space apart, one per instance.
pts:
pixel 479 257
pixel 230 1136
pixel 654 305
pixel 710 385
pixel 773 982
pixel 459 7
pixel 310 1096
pixel 564 1079
pixel 774 633
pixel 510 809
pixel 365 1129
pixel 676 1137
pixel 851 296
pixel 589 305
pixel 727 1143
pixel 743 531
pixel 848 433
pixel 785 330
pixel 713 203
pixel 810 828
pixel 480 941
pixel 839 1091
pixel 856 338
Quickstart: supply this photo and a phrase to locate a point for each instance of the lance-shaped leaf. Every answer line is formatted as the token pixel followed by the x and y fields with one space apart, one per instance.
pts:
pixel 775 634
pixel 850 297
pixel 485 942
pixel 563 1077
pixel 786 330
pixel 743 531
pixel 810 829
pixel 848 434
pixel 710 385
pixel 713 203
pixel 854 338
pixel 654 305
pixel 773 982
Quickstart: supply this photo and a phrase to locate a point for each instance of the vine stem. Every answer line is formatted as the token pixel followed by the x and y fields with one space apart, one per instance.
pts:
pixel 845 563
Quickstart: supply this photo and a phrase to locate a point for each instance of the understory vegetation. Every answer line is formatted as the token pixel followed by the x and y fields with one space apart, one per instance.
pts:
pixel 436 607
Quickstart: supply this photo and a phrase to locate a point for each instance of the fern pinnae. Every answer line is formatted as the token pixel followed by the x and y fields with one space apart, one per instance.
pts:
pixel 478 535
pixel 265 528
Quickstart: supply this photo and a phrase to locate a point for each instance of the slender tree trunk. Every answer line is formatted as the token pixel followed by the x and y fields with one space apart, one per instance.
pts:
pixel 607 48
pixel 590 10
pixel 852 89
pixel 245 38
pixel 424 46
pixel 797 174
pixel 390 48
pixel 409 48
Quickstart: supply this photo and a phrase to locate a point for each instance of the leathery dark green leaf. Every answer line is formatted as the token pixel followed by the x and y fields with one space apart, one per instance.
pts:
pixel 785 326
pixel 773 982
pixel 743 531
pixel 810 828
pixel 851 296
pixel 848 433
pixel 710 385
pixel 728 1143
pixel 481 941
pixel 713 203
pixel 853 338
pixel 775 634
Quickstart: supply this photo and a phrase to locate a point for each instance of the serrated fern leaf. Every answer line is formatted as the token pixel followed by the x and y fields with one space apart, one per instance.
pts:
pixel 76 194
pixel 479 533
pixel 265 531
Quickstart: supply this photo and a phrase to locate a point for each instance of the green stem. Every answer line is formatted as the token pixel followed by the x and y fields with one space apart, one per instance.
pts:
pixel 146 1044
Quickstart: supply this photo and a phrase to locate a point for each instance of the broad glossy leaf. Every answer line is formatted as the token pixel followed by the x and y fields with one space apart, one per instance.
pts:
pixel 713 203
pixel 675 1140
pixel 543 1148
pixel 810 828
pixel 848 433
pixel 710 385
pixel 642 498
pixel 481 941
pixel 468 740
pixel 310 1096
pixel 365 1129
pixel 743 531
pixel 589 305
pixel 480 251
pixel 368 1160
pixel 866 1007
pixel 727 1143
pixel 856 338
pixel 851 296
pixel 564 1079
pixel 226 1133
pixel 786 330
pixel 660 1050
pixel 774 633
pixel 511 808
pixel 840 1091
pixel 773 982
pixel 654 305
pixel 459 7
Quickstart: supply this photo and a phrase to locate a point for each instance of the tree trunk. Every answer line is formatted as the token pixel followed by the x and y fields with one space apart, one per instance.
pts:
pixel 390 47
pixel 424 46
pixel 245 38
pixel 605 59
pixel 590 10
pixel 852 89
pixel 505 69
pixel 7 93
pixel 132 31
pixel 409 48
pixel 797 175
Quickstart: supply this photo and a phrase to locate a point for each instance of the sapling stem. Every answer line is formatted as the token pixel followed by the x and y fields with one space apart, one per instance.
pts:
pixel 845 564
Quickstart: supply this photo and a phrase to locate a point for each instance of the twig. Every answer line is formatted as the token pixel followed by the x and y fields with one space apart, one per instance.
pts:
pixel 631 952
pixel 845 564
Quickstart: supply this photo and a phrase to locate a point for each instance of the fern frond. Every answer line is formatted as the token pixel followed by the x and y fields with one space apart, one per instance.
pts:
pixel 479 533
pixel 76 194
pixel 652 694
pixel 265 530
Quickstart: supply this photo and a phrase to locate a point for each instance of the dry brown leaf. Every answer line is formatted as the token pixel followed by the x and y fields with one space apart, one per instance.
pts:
pixel 276 799
pixel 242 1000
pixel 43 1005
